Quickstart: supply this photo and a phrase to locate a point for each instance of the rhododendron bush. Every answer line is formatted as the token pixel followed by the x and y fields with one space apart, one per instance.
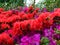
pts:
pixel 29 26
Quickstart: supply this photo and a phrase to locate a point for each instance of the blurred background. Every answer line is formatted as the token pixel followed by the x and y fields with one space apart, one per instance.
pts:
pixel 48 4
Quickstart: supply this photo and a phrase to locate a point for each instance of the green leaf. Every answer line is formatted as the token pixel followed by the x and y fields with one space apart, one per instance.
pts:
pixel 44 41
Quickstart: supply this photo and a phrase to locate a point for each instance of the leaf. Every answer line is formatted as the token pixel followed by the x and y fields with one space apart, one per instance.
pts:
pixel 44 41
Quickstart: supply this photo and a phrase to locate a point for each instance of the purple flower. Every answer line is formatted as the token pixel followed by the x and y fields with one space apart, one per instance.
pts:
pixel 57 36
pixel 44 10
pixel 58 27
pixel 25 39
pixel 36 37
pixel 52 42
pixel 25 9
pixel 36 16
pixel 23 44
pixel 31 40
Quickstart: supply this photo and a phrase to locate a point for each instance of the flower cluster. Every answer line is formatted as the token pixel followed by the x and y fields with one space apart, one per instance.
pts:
pixel 5 39
pixel 29 26
pixel 32 40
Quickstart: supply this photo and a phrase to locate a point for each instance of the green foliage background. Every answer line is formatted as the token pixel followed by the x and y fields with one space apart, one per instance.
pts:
pixel 49 4
pixel 10 4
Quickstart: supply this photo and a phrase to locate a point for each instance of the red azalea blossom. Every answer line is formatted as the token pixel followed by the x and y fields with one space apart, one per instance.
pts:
pixel 1 9
pixel 4 26
pixel 5 39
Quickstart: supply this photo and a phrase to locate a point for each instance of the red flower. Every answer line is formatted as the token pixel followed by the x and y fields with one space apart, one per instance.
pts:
pixel 5 39
pixel 16 29
pixel 30 16
pixel 35 25
pixel 4 26
pixel 23 25
pixel 32 25
pixel 30 9
pixel 1 9
pixel 16 32
pixel 16 26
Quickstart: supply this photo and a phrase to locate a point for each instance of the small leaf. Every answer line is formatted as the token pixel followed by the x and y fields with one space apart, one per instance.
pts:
pixel 45 41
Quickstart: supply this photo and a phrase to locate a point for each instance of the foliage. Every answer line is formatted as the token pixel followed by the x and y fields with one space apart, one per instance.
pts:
pixel 10 4
pixel 45 41
pixel 49 4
